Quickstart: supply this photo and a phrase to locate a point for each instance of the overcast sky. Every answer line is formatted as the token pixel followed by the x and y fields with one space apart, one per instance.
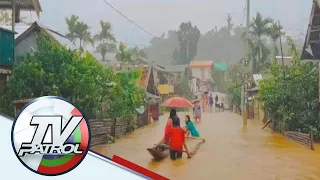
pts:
pixel 158 16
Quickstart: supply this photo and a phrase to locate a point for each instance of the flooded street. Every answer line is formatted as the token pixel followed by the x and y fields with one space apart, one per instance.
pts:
pixel 229 153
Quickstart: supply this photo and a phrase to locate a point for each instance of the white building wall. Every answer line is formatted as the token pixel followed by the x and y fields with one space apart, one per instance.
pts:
pixel 27 45
pixel 197 72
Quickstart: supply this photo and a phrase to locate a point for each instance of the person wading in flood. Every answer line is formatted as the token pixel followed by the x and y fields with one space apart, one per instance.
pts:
pixel 173 113
pixel 197 111
pixel 176 138
pixel 190 129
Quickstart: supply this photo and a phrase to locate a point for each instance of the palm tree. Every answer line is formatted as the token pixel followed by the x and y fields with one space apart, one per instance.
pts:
pixel 79 30
pixel 275 33
pixel 71 22
pixel 106 39
pixel 259 27
pixel 103 48
pixel 124 54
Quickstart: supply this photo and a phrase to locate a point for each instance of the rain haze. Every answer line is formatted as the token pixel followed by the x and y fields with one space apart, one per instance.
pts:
pixel 160 16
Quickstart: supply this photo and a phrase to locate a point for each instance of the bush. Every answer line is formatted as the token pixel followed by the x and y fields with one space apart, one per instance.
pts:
pixel 291 94
pixel 56 71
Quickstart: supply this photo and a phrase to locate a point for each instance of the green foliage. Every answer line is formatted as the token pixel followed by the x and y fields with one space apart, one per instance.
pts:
pixel 78 30
pixel 182 88
pixel 291 94
pixel 234 95
pixel 106 40
pixel 56 71
pixel 124 54
pixel 188 37
pixel 219 79
pixel 234 86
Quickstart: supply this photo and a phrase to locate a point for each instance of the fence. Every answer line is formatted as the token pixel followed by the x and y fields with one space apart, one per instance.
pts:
pixel 102 129
pixel 302 138
pixel 305 139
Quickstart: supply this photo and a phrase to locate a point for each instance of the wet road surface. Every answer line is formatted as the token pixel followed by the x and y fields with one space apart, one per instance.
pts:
pixel 229 153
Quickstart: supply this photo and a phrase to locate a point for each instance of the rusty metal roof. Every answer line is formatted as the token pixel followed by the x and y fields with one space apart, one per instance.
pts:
pixel 33 5
pixel 200 64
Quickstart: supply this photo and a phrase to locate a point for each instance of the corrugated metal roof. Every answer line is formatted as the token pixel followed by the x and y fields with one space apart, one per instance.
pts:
pixel 176 68
pixel 63 40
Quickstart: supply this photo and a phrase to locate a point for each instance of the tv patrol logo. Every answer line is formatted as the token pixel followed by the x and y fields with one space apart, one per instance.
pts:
pixel 50 136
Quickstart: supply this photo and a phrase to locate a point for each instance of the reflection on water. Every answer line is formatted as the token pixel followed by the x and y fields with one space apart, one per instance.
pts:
pixel 229 153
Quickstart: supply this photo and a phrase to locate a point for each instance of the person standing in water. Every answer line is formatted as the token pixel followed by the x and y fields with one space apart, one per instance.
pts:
pixel 173 113
pixel 176 139
pixel 190 128
pixel 197 111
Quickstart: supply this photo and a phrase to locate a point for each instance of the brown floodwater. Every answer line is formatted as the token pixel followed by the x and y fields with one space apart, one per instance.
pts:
pixel 229 153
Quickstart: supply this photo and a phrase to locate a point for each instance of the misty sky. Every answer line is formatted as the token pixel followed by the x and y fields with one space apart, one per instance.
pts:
pixel 158 16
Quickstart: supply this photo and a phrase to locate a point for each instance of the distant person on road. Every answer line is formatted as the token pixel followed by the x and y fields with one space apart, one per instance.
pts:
pixel 216 103
pixel 190 128
pixel 177 140
pixel 216 99
pixel 211 102
pixel 222 103
pixel 197 111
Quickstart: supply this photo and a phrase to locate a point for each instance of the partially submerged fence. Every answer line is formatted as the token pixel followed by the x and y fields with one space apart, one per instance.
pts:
pixel 103 130
pixel 301 138
pixel 305 139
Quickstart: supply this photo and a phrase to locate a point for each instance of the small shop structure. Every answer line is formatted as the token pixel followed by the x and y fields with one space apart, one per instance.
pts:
pixel 6 56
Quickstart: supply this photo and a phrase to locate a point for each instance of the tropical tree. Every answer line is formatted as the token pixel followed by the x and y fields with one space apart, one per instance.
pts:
pixel 106 40
pixel 291 95
pixel 259 28
pixel 275 32
pixel 188 37
pixel 78 30
pixel 124 54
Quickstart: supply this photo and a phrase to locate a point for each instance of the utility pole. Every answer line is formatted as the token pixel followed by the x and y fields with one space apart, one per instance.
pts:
pixel 188 50
pixel 245 83
pixel 13 20
pixel 229 34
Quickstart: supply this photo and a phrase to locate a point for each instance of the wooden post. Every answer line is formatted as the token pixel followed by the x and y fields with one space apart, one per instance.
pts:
pixel 311 140
pixel 114 130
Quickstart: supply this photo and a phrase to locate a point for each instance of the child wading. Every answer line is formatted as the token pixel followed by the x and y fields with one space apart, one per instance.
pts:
pixel 190 128
pixel 176 139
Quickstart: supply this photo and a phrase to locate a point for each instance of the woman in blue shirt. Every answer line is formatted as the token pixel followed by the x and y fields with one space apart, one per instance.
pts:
pixel 191 129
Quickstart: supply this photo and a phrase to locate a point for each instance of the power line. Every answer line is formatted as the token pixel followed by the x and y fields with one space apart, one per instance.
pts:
pixel 140 27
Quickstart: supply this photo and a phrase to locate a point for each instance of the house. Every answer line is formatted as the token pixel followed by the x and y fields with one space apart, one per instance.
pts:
pixel 311 48
pixel 255 109
pixel 26 38
pixel 6 55
pixel 21 5
pixel 152 100
pixel 201 75
pixel 201 69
